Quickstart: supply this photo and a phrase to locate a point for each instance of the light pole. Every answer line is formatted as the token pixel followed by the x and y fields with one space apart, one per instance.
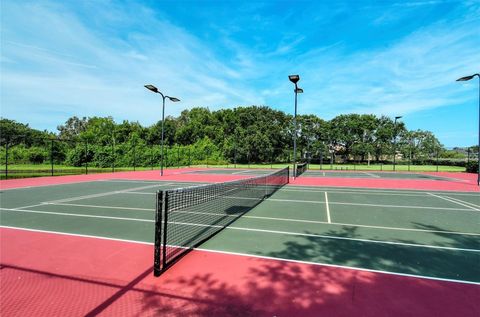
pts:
pixel 155 90
pixel 294 79
pixel 466 78
pixel 395 140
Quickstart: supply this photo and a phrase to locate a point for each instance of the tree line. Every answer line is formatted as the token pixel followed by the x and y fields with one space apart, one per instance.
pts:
pixel 256 134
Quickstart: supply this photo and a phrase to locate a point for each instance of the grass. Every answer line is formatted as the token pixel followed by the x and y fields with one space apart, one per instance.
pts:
pixel 37 170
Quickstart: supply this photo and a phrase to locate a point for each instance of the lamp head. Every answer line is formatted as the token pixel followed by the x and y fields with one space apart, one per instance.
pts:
pixel 173 99
pixel 151 88
pixel 299 90
pixel 294 78
pixel 466 78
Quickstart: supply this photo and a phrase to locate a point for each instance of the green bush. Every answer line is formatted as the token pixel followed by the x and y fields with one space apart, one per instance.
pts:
pixel 472 167
pixel 37 155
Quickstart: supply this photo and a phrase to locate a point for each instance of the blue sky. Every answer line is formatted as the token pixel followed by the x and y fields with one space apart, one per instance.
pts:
pixel 86 58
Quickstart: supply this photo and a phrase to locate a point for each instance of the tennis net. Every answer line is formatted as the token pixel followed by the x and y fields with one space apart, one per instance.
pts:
pixel 301 168
pixel 186 217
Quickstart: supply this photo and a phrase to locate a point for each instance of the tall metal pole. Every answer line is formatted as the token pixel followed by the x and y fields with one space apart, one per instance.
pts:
pixel 155 90
pixel 163 123
pixel 478 153
pixel 467 78
pixel 295 136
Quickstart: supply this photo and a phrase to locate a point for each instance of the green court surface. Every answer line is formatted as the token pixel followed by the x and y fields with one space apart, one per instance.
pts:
pixel 430 234
pixel 335 174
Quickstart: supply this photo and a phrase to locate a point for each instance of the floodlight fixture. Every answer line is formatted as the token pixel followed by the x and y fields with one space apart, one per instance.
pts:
pixel 152 88
pixel 173 99
pixel 299 90
pixel 294 78
pixel 466 78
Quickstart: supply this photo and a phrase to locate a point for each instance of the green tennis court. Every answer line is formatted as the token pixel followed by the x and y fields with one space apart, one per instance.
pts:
pixel 421 233
pixel 334 174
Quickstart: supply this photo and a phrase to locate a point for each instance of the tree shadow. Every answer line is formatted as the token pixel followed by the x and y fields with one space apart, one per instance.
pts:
pixel 286 288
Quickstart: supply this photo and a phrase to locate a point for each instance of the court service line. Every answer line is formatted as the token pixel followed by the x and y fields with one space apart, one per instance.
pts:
pixel 103 194
pixel 376 190
pixel 463 201
pixel 139 193
pixel 100 206
pixel 273 218
pixel 241 172
pixel 353 192
pixel 369 205
pixel 453 201
pixel 250 255
pixel 75 215
pixel 329 219
pixel 253 230
pixel 23 207
pixel 371 174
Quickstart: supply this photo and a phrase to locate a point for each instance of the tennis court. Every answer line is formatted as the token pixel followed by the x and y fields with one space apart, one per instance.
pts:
pixel 336 174
pixel 427 235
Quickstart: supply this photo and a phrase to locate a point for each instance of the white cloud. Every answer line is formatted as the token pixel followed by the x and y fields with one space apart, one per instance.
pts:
pixel 57 62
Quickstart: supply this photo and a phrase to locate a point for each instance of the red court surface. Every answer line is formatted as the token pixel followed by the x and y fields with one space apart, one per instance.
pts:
pixel 464 182
pixel 45 274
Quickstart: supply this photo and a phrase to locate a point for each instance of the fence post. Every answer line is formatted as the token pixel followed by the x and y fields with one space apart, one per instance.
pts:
pixel 189 156
pixel 321 161
pixel 134 155
pixel 151 156
pixel 271 160
pixel 178 156
pixel 166 157
pixel 235 157
pixel 6 159
pixel 113 155
pixel 437 160
pixel 86 156
pixel 51 155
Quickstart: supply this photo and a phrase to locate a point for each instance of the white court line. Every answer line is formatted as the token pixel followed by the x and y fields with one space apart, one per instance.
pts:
pixel 329 220
pixel 371 174
pixel 275 219
pixel 380 190
pixel 352 192
pixel 98 206
pixel 102 194
pixel 23 207
pixel 369 205
pixel 139 193
pixel 241 172
pixel 453 201
pixel 463 201
pixel 253 256
pixel 76 215
pixel 253 230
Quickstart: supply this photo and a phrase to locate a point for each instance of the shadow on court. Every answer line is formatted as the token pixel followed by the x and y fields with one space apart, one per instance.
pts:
pixel 423 261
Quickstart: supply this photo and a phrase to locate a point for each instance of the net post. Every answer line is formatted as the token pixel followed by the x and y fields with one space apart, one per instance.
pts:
pixel 165 222
pixel 158 234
